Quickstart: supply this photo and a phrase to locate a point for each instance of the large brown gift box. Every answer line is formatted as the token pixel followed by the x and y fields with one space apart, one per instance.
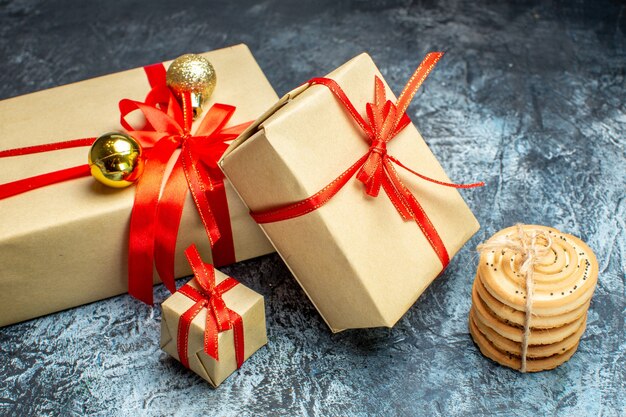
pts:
pixel 358 261
pixel 245 302
pixel 65 245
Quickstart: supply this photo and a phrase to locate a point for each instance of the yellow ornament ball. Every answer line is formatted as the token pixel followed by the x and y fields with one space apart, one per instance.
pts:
pixel 116 160
pixel 194 74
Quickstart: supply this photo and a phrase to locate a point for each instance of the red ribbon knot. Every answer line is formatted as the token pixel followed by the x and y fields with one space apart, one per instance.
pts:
pixel 379 147
pixel 219 317
pixel 376 169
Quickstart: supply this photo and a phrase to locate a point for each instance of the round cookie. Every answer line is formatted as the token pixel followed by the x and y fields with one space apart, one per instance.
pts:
pixel 515 317
pixel 532 365
pixel 515 333
pixel 564 279
pixel 534 351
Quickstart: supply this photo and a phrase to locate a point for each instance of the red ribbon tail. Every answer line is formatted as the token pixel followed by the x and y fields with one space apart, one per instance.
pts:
pixel 169 213
pixel 417 213
pixel 429 230
pixel 216 118
pixel 223 250
pixel 414 83
pixel 182 339
pixel 220 311
pixel 197 188
pixel 47 147
pixel 38 181
pixel 211 334
pixel 238 337
pixel 21 186
pixel 397 198
pixel 232 132
pixel 445 184
pixel 143 222
pixel 156 74
pixel 203 273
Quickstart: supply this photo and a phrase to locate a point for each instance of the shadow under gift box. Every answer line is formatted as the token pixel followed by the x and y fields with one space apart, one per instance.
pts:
pixel 65 245
pixel 358 261
pixel 243 301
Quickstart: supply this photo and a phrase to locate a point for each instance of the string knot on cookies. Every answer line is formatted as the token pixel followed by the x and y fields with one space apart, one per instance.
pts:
pixel 531 246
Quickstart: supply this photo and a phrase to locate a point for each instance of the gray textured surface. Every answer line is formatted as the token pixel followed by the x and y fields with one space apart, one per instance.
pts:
pixel 529 98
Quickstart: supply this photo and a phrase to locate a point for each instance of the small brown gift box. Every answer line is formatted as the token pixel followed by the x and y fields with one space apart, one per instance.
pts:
pixel 66 244
pixel 358 261
pixel 192 316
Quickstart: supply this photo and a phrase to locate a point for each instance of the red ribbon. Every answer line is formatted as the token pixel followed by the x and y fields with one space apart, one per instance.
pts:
pixel 155 219
pixel 219 318
pixel 156 216
pixel 21 186
pixel 375 169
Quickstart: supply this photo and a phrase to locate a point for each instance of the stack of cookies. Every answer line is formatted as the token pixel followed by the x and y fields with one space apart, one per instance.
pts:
pixel 563 275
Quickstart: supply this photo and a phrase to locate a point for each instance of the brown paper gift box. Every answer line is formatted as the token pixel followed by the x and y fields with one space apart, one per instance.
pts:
pixel 66 245
pixel 242 300
pixel 358 261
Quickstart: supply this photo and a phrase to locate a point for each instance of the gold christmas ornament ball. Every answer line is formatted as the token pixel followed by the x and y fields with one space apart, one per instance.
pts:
pixel 194 74
pixel 115 160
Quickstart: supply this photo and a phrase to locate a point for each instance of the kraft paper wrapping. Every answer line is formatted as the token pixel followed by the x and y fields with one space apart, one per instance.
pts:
pixel 66 245
pixel 241 299
pixel 358 261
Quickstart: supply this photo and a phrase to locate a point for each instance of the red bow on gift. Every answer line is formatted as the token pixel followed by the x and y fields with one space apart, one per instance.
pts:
pixel 219 318
pixel 156 216
pixel 376 168
pixel 155 219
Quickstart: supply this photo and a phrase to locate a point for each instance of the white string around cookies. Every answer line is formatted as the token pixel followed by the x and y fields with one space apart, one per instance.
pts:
pixel 525 245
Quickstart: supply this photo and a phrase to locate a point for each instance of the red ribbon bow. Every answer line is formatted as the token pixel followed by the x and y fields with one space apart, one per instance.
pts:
pixel 376 168
pixel 155 219
pixel 156 216
pixel 219 318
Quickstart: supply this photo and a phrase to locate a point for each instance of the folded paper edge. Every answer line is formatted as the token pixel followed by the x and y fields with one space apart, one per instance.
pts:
pixel 254 127
pixel 206 371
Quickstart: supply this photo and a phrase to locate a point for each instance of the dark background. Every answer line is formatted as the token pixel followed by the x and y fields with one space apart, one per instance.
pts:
pixel 530 98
